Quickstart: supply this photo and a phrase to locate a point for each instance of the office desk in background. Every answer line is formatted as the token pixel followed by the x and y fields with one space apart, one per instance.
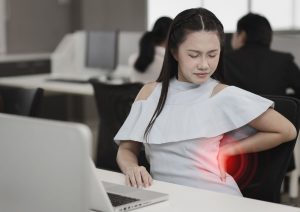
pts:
pixel 182 198
pixel 40 80
pixel 24 64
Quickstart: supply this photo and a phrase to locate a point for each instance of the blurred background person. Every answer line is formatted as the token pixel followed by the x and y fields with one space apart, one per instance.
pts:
pixel 147 64
pixel 253 66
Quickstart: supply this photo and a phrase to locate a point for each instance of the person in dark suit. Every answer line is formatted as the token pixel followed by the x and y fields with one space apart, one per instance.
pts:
pixel 253 66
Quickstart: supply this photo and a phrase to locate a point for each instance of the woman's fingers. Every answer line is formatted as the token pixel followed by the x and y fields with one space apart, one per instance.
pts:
pixel 146 178
pixel 222 172
pixel 222 166
pixel 138 176
pixel 131 176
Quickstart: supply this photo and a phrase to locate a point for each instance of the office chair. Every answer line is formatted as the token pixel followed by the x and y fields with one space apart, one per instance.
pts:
pixel 113 105
pixel 260 175
pixel 20 101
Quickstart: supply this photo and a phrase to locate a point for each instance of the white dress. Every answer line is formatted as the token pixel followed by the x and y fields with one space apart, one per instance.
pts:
pixel 153 70
pixel 183 144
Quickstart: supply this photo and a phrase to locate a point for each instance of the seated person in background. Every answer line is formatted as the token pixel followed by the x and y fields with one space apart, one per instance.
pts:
pixel 253 66
pixel 181 121
pixel 146 66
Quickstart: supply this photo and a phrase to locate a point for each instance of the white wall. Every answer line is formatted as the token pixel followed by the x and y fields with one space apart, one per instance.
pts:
pixel 283 14
pixel 2 26
pixel 158 8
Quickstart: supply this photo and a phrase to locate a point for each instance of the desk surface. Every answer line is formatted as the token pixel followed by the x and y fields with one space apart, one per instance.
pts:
pixel 184 198
pixel 23 57
pixel 39 80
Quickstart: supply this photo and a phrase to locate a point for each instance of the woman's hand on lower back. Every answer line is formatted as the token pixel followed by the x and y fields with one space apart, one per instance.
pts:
pixel 225 151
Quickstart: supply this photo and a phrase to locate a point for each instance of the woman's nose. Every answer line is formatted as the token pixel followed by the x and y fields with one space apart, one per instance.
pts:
pixel 202 64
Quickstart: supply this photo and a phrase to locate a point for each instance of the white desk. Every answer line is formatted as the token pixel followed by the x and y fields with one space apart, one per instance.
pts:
pixel 184 198
pixel 23 57
pixel 39 80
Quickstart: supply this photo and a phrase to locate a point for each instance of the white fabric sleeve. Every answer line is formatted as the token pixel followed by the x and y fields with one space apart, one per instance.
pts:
pixel 228 110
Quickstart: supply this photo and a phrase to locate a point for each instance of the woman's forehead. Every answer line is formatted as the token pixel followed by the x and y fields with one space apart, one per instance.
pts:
pixel 205 40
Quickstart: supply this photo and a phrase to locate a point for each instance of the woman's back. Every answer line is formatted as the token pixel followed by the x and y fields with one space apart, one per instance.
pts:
pixel 148 62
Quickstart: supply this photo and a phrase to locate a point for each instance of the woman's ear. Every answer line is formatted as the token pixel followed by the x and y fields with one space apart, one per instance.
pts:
pixel 174 54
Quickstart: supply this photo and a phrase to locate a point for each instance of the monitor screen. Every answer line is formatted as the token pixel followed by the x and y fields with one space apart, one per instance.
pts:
pixel 128 44
pixel 101 52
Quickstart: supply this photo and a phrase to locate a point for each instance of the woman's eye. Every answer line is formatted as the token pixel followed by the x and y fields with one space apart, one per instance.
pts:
pixel 212 55
pixel 193 56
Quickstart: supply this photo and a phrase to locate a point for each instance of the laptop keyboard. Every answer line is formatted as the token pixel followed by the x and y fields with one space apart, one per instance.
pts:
pixel 117 200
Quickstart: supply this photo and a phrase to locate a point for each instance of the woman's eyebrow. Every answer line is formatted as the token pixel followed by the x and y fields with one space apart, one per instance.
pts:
pixel 197 51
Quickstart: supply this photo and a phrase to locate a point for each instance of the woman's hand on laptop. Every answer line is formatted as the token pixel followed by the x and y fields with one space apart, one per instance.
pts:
pixel 138 176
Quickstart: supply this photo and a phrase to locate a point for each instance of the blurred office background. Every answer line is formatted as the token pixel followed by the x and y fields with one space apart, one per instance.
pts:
pixel 38 26
pixel 31 26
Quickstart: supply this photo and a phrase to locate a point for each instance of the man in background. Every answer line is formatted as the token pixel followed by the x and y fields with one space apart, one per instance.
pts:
pixel 253 66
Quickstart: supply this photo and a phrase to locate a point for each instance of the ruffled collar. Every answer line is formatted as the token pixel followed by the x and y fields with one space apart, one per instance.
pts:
pixel 184 86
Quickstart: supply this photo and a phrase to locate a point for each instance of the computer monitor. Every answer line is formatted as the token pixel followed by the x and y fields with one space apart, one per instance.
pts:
pixel 101 50
pixel 128 44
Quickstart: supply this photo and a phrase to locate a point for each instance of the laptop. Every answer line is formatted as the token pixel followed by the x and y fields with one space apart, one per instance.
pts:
pixel 45 166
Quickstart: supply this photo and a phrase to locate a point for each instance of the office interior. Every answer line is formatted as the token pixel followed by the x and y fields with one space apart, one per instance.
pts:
pixel 41 36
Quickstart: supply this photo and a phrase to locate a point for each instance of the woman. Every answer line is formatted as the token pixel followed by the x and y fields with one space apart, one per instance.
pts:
pixel 181 122
pixel 147 64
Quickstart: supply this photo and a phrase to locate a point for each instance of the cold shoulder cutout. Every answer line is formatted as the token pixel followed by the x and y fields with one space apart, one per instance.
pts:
pixel 218 88
pixel 146 91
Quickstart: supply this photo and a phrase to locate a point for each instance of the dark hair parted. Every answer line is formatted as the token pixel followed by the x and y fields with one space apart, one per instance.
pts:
pixel 149 40
pixel 257 28
pixel 190 20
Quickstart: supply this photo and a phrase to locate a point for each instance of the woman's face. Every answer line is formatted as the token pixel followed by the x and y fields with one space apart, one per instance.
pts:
pixel 198 56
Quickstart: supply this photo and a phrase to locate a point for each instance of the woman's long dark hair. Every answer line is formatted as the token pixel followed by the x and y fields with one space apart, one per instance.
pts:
pixel 149 40
pixel 191 20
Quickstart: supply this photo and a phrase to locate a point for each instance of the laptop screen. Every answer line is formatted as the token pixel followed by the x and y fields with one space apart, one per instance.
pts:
pixel 43 165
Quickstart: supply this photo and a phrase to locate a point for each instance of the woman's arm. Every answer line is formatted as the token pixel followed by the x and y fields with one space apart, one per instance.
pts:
pixel 273 130
pixel 136 175
pixel 129 150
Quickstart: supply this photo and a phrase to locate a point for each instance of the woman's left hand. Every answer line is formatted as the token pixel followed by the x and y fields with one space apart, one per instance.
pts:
pixel 224 152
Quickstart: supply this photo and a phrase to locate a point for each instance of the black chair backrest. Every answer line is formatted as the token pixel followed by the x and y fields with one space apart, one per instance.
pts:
pixel 20 101
pixel 113 105
pixel 260 175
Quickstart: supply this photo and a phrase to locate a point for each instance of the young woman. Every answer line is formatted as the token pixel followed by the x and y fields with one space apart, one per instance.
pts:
pixel 181 122
pixel 146 65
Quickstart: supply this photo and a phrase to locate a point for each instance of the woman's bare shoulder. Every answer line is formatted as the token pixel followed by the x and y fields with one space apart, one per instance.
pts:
pixel 219 87
pixel 146 91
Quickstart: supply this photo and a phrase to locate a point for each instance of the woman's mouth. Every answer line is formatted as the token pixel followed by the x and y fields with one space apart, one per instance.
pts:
pixel 201 75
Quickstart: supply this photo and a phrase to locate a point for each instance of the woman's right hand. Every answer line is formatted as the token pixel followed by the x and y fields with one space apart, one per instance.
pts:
pixel 138 176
